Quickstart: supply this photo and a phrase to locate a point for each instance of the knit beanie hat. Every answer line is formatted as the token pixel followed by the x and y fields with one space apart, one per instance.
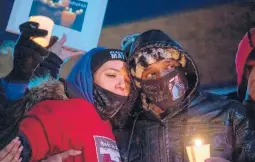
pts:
pixel 245 57
pixel 103 56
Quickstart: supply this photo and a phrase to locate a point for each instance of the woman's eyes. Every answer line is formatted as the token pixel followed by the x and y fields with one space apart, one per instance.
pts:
pixel 111 75
pixel 152 76
pixel 168 68
pixel 162 72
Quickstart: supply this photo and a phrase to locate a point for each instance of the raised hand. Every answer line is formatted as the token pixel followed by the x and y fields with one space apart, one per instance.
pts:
pixel 63 52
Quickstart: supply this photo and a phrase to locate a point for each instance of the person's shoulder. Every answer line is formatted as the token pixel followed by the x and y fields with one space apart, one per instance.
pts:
pixel 71 111
pixel 63 108
pixel 207 97
pixel 218 98
pixel 221 101
pixel 233 96
pixel 68 102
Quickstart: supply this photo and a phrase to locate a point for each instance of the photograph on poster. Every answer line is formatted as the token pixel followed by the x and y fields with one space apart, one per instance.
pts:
pixel 67 13
pixel 80 20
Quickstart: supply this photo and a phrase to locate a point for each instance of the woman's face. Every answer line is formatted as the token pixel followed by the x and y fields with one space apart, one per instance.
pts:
pixel 113 76
pixel 159 69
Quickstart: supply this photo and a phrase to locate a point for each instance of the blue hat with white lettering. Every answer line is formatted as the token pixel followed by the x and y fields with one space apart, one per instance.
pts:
pixel 101 57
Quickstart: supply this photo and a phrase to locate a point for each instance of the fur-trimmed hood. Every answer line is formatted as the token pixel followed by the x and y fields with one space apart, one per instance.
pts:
pixel 50 90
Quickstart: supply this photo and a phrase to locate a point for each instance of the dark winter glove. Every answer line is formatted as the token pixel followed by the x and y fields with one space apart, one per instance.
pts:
pixel 27 54
pixel 49 66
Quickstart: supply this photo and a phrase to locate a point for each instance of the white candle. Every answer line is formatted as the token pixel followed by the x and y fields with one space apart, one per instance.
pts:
pixel 65 3
pixel 198 152
pixel 68 18
pixel 46 24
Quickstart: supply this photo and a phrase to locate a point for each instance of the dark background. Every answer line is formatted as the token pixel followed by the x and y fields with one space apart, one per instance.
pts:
pixel 208 29
pixel 124 11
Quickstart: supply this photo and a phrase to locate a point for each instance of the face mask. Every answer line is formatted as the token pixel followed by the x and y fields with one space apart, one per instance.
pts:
pixel 107 103
pixel 167 91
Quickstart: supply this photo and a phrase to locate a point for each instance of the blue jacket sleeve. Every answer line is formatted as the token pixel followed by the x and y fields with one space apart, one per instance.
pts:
pixel 13 90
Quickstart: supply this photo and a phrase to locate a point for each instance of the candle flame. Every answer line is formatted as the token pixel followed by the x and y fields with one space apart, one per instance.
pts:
pixel 198 142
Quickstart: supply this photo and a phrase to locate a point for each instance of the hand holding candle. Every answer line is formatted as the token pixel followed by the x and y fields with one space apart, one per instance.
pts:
pixel 45 23
pixel 199 152
pixel 216 159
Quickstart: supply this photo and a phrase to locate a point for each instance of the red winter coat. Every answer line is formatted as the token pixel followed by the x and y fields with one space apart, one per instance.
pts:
pixel 54 126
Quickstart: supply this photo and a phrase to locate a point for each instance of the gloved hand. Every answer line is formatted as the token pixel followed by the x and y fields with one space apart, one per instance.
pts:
pixel 27 54
pixel 58 55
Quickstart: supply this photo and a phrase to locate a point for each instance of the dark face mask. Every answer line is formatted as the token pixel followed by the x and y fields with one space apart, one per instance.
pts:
pixel 167 91
pixel 107 103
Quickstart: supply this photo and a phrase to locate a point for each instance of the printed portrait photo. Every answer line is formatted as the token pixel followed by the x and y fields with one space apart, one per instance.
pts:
pixel 67 13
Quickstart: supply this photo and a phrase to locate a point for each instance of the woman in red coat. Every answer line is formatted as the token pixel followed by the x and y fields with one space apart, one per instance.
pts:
pixel 75 114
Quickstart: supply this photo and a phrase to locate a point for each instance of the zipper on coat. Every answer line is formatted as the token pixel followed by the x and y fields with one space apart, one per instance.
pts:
pixel 166 142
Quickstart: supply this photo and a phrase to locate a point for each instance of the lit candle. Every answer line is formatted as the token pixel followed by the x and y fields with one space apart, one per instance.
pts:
pixel 68 18
pixel 198 152
pixel 46 24
pixel 65 3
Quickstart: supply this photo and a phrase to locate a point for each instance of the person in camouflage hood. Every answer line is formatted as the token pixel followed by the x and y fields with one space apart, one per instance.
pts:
pixel 173 112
